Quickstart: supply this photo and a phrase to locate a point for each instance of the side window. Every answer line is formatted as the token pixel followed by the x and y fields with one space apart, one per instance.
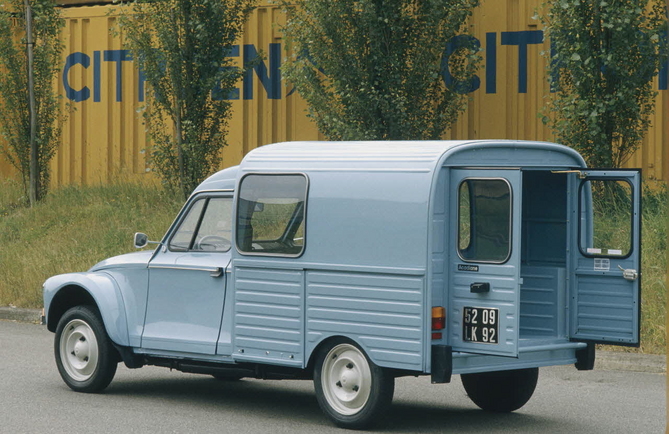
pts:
pixel 606 229
pixel 484 220
pixel 271 215
pixel 206 227
pixel 181 240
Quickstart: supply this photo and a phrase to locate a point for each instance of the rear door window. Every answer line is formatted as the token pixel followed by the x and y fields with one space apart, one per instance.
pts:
pixel 484 220
pixel 609 231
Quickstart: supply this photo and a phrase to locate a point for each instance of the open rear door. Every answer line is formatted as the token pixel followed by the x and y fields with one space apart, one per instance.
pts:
pixel 605 253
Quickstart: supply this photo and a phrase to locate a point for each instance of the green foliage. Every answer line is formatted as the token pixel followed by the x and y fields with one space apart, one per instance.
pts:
pixel 372 69
pixel 604 56
pixel 654 271
pixel 14 111
pixel 72 229
pixel 181 45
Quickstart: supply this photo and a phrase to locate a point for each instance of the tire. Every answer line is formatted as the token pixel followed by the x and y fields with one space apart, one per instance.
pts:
pixel 351 390
pixel 501 391
pixel 85 356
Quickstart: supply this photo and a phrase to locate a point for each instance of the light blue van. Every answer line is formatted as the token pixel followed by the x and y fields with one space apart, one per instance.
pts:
pixel 353 263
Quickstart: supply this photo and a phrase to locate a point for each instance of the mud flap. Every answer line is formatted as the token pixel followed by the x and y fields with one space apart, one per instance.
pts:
pixel 442 363
pixel 585 358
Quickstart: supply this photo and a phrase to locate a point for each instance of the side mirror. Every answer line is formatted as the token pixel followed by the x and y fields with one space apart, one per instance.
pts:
pixel 141 240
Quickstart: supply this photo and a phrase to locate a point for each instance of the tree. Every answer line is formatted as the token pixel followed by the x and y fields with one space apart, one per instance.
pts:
pixel 29 106
pixel 604 55
pixel 181 47
pixel 374 69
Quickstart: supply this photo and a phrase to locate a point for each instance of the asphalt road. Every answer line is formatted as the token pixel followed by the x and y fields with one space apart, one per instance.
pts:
pixel 33 399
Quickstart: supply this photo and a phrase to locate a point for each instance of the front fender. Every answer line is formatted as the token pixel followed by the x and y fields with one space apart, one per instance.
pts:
pixel 104 291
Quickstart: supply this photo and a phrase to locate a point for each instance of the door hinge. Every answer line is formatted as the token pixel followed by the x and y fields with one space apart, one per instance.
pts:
pixel 580 173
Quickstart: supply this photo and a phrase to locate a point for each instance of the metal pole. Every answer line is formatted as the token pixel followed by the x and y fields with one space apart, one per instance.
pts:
pixel 33 193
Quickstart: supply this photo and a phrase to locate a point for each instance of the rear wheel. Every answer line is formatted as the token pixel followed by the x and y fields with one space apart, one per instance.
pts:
pixel 85 356
pixel 351 390
pixel 501 391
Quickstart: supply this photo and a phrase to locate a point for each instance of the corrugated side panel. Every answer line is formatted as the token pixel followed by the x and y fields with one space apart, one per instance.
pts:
pixel 103 136
pixel 507 99
pixel 383 312
pixel 653 156
pixel 539 294
pixel 513 88
pixel 268 110
pixel 268 315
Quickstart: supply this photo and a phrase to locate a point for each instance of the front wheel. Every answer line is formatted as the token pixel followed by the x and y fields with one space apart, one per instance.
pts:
pixel 351 390
pixel 85 356
pixel 501 391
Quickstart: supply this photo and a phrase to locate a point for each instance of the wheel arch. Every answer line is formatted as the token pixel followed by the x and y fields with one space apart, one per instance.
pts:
pixel 66 298
pixel 328 342
pixel 98 290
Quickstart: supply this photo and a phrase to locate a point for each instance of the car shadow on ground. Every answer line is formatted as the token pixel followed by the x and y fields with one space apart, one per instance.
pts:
pixel 295 400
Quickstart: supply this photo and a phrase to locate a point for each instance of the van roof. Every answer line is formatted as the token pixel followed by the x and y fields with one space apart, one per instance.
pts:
pixel 407 155
pixel 395 156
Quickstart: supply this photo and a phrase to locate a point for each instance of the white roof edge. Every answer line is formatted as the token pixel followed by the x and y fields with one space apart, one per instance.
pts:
pixel 376 155
pixel 536 144
pixel 364 156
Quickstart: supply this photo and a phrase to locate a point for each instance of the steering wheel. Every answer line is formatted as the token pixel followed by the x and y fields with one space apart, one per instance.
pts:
pixel 213 243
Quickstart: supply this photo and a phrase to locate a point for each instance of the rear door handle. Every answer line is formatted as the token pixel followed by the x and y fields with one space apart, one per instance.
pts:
pixel 479 287
pixel 629 273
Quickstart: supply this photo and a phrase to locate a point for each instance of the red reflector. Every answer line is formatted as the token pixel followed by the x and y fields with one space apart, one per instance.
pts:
pixel 436 335
pixel 438 318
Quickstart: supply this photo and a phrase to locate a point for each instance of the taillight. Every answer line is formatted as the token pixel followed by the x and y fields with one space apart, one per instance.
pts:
pixel 438 318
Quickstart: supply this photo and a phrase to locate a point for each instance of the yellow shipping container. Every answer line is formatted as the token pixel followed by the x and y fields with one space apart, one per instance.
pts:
pixel 104 134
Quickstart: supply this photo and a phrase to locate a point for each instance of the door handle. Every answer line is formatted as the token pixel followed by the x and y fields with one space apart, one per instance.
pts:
pixel 629 273
pixel 217 272
pixel 479 287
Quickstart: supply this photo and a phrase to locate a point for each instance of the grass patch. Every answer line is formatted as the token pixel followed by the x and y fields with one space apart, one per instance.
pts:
pixel 653 267
pixel 74 228
pixel 654 272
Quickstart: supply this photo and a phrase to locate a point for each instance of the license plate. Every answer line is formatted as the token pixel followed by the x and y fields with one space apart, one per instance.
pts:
pixel 480 325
